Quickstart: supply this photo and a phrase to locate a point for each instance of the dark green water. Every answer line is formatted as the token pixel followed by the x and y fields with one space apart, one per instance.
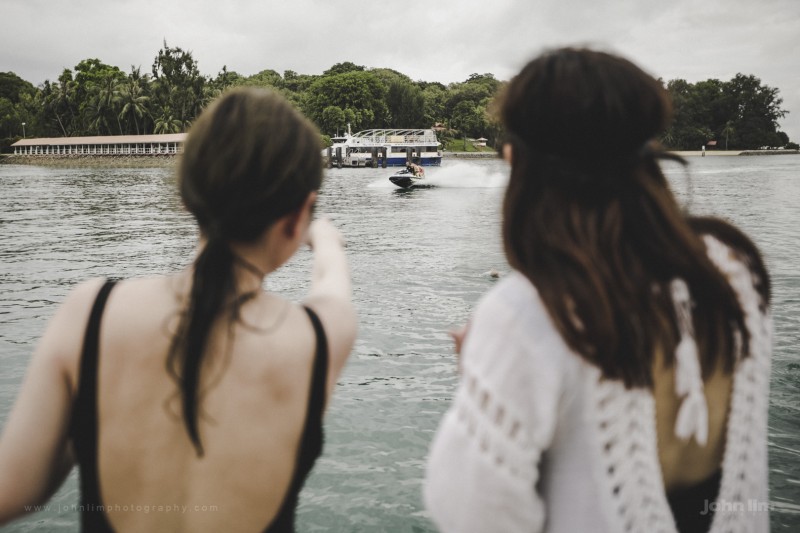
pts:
pixel 419 259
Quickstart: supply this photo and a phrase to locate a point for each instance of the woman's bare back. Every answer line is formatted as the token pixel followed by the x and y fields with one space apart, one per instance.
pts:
pixel 684 462
pixel 254 396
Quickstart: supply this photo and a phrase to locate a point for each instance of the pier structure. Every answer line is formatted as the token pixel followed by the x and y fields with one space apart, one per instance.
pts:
pixel 167 144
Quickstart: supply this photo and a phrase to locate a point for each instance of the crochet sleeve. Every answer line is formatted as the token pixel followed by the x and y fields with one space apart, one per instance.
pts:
pixel 483 465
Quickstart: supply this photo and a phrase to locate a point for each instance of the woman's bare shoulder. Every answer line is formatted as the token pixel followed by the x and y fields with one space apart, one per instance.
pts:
pixel 62 340
pixel 83 294
pixel 75 308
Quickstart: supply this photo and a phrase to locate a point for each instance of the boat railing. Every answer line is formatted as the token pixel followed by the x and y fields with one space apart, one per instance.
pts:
pixel 395 136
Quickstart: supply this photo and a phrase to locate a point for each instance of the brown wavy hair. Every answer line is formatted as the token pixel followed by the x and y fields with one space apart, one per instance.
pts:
pixel 590 219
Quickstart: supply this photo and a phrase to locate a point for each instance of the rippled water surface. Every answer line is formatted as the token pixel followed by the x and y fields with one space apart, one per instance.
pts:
pixel 420 261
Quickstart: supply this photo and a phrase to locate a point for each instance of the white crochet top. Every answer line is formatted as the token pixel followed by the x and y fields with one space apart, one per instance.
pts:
pixel 535 440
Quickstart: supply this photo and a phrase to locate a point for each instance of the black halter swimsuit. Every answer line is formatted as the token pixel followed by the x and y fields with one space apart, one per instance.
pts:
pixel 83 427
pixel 691 505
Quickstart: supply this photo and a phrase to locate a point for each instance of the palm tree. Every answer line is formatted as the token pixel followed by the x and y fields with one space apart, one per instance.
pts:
pixel 133 99
pixel 167 123
pixel 57 104
pixel 163 95
pixel 728 130
pixel 49 107
pixel 61 102
pixel 668 138
pixel 103 104
pixel 66 94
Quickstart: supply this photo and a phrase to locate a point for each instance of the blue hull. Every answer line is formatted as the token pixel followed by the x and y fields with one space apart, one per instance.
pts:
pixel 425 161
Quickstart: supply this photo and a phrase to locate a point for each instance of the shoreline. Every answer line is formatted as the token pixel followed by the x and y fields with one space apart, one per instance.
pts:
pixel 682 153
pixel 168 160
pixel 470 155
pixel 91 161
pixel 726 153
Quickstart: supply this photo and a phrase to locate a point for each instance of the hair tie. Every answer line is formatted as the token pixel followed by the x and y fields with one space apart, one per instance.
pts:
pixel 214 231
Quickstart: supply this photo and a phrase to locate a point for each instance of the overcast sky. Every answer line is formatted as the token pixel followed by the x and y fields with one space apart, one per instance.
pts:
pixel 432 40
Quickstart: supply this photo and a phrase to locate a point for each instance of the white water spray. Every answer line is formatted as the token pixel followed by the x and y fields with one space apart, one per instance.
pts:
pixel 460 175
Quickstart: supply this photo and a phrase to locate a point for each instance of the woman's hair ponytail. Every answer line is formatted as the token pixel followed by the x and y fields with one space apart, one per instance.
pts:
pixel 212 282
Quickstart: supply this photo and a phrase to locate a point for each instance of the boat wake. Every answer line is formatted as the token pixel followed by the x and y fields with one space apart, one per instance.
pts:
pixel 464 175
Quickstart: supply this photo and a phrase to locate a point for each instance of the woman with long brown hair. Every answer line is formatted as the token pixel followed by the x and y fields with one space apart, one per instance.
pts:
pixel 194 401
pixel 617 380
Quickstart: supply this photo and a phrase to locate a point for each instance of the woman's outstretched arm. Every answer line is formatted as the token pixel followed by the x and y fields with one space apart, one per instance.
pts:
pixel 35 454
pixel 331 294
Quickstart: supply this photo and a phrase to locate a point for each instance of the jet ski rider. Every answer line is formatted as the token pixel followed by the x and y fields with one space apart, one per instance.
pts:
pixel 415 170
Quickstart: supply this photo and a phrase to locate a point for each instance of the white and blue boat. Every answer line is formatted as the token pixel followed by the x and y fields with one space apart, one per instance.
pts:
pixel 386 147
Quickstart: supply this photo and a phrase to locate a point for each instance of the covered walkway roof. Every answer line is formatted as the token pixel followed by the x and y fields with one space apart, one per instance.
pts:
pixel 104 139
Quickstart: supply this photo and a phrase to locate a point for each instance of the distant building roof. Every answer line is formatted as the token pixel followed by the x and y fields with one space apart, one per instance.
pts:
pixel 104 139
pixel 711 143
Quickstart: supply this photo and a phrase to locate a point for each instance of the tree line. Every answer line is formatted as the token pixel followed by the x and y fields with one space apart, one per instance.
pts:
pixel 739 114
pixel 95 98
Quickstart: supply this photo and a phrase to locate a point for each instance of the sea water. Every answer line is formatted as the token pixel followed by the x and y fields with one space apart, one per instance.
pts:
pixel 420 260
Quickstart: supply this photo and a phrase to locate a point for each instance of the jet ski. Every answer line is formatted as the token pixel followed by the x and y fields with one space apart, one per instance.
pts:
pixel 413 176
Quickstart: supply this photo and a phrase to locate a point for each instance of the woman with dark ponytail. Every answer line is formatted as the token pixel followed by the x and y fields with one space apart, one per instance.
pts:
pixel 617 379
pixel 196 404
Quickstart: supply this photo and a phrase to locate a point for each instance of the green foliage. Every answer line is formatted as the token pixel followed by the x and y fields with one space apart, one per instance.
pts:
pixel 406 104
pixel 10 123
pixel 434 97
pixel 87 103
pixel 467 117
pixel 333 119
pixel 12 87
pixel 297 83
pixel 134 101
pixel 462 144
pixel 178 89
pixel 342 68
pixel 94 98
pixel 739 114
pixel 359 92
pixel 223 81
pixel 16 106
pixel 265 78
pixel 167 123
pixel 389 76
